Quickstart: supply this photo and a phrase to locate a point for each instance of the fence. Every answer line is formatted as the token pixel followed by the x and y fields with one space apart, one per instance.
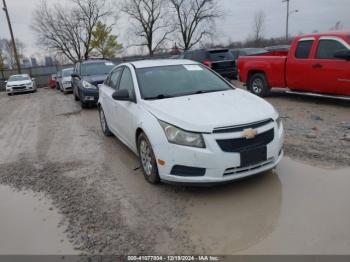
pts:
pixel 42 73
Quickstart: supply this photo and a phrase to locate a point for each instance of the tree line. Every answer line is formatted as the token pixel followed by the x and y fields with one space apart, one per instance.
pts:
pixel 85 29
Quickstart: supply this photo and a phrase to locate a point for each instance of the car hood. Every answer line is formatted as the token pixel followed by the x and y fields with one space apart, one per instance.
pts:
pixel 67 79
pixel 15 83
pixel 95 80
pixel 204 112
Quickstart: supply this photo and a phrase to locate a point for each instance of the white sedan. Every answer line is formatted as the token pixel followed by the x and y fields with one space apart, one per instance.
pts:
pixel 187 124
pixel 19 84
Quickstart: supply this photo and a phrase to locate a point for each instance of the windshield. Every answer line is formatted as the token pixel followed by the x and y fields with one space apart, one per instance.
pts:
pixel 100 68
pixel 179 80
pixel 19 78
pixel 67 72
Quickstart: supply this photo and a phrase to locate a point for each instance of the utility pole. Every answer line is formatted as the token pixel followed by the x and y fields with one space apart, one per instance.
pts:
pixel 288 14
pixel 12 37
pixel 287 22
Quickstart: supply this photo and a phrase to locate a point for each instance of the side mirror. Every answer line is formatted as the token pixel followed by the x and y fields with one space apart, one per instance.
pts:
pixel 99 86
pixel 74 75
pixel 345 54
pixel 121 95
pixel 5 82
pixel 33 79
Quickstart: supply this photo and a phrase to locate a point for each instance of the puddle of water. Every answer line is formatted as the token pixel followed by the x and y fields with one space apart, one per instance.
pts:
pixel 299 210
pixel 28 227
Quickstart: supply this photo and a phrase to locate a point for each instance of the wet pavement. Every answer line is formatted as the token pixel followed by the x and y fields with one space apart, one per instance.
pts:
pixel 50 146
pixel 29 225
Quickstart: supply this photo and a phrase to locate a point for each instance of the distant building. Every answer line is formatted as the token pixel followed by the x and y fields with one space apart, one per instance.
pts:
pixel 34 62
pixel 48 61
pixel 26 63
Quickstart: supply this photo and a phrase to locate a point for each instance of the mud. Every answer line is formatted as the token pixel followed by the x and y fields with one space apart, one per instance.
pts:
pixel 107 207
pixel 29 225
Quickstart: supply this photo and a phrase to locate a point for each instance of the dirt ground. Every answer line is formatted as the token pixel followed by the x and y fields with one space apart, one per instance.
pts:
pixel 50 146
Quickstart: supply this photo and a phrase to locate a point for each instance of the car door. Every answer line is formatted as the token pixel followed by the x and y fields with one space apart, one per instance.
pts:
pixel 124 118
pixel 299 65
pixel 106 92
pixel 330 74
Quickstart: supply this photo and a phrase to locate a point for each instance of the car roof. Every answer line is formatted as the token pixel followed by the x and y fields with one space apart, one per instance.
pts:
pixel 161 62
pixel 93 61
pixel 335 33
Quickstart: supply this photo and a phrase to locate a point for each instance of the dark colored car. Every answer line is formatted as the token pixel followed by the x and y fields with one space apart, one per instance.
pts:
pixel 236 53
pixel 219 60
pixel 86 77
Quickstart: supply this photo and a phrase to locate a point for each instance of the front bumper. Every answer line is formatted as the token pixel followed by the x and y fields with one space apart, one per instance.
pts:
pixel 15 90
pixel 220 166
pixel 89 95
pixel 67 87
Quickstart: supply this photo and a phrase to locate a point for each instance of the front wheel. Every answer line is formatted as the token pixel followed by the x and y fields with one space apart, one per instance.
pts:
pixel 258 85
pixel 103 122
pixel 147 160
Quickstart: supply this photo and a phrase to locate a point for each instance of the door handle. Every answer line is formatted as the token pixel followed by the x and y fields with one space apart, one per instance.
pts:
pixel 316 66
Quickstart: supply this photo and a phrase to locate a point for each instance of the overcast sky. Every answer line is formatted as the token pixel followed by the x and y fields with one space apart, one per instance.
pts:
pixel 236 25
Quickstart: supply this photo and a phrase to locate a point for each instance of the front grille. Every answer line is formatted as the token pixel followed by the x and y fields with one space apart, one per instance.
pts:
pixel 239 170
pixel 237 145
pixel 240 128
pixel 18 87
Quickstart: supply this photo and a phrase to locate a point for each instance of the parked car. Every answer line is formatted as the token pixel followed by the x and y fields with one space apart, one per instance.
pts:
pixel 316 64
pixel 219 60
pixel 64 80
pixel 53 80
pixel 187 124
pixel 20 84
pixel 277 48
pixel 236 53
pixel 86 77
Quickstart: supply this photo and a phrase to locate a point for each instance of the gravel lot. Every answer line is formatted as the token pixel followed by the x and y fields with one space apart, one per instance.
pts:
pixel 49 145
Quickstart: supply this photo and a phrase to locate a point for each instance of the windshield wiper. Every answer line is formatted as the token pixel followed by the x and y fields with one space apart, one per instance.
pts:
pixel 161 96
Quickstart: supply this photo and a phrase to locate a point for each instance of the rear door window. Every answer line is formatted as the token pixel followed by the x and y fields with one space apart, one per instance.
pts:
pixel 328 47
pixel 220 55
pixel 303 49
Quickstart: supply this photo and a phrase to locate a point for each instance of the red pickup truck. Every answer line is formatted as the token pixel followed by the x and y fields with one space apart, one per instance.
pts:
pixel 315 64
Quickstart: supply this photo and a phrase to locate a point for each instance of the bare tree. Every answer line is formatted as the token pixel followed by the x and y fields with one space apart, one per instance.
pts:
pixel 259 26
pixel 151 22
pixel 89 13
pixel 68 32
pixel 194 18
pixel 8 55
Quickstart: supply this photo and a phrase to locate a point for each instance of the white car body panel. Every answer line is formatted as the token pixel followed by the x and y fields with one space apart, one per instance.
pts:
pixel 198 113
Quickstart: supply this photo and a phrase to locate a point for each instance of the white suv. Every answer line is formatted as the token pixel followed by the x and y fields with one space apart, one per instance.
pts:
pixel 187 124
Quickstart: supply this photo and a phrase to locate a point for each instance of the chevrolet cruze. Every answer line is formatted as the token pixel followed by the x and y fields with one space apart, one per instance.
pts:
pixel 187 124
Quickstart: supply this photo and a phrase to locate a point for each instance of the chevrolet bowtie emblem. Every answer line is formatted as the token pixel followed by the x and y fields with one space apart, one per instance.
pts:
pixel 249 133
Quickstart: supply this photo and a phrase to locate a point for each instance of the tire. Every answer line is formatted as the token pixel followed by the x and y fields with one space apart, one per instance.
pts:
pixel 76 98
pixel 147 160
pixel 84 105
pixel 103 121
pixel 258 85
pixel 9 94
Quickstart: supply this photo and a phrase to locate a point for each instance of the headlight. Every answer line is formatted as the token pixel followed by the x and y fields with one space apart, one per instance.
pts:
pixel 178 136
pixel 88 85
